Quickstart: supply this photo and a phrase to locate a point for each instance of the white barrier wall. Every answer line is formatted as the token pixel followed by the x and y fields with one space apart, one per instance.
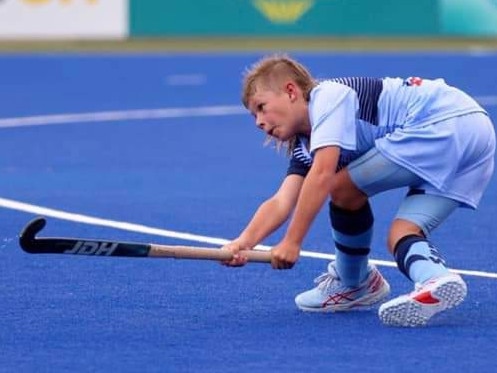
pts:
pixel 63 19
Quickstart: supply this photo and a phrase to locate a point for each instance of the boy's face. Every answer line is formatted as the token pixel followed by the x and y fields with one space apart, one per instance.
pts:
pixel 281 114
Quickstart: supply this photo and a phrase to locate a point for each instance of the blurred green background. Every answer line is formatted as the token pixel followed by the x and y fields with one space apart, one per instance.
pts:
pixel 192 25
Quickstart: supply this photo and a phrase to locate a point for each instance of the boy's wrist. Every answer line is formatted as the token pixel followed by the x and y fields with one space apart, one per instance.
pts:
pixel 292 239
pixel 245 242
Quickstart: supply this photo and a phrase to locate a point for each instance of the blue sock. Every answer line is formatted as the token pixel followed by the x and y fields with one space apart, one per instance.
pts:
pixel 352 232
pixel 418 259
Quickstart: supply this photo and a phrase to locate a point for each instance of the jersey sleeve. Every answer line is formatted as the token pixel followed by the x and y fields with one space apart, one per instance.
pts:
pixel 333 111
pixel 301 160
pixel 297 167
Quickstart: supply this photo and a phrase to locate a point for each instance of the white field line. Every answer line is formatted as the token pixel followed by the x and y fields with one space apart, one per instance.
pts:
pixel 116 116
pixel 186 80
pixel 148 114
pixel 86 219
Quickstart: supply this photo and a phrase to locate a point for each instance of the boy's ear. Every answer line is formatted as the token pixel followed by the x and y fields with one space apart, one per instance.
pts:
pixel 291 90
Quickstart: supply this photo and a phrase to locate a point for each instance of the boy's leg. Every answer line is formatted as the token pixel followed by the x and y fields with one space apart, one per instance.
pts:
pixel 418 259
pixel 418 215
pixel 352 232
pixel 416 256
pixel 350 281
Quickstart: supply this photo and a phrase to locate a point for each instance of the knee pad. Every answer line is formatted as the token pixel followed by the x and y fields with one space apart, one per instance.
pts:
pixel 427 211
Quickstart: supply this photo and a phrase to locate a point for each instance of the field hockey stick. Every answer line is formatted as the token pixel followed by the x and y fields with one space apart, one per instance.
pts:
pixel 82 246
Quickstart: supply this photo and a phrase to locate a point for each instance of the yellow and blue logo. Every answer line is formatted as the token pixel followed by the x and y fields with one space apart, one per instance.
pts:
pixel 283 11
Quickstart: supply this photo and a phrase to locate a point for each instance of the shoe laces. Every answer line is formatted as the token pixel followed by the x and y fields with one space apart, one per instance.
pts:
pixel 327 279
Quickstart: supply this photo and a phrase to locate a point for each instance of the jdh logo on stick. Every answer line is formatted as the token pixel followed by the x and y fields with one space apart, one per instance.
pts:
pixel 93 248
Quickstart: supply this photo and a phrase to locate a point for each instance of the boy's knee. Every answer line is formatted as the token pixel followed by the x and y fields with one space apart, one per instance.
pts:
pixel 347 196
pixel 399 229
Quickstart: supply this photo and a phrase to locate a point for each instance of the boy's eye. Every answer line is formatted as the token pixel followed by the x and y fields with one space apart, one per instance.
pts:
pixel 260 107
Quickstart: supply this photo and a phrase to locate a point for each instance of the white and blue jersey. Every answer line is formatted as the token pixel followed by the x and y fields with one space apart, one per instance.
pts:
pixel 398 117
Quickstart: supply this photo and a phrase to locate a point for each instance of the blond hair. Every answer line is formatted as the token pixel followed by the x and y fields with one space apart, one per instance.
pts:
pixel 271 72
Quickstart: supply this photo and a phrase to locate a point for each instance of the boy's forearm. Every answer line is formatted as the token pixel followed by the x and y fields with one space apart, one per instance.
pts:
pixel 314 193
pixel 268 217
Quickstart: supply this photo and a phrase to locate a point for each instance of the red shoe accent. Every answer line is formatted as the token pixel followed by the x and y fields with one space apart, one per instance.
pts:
pixel 338 297
pixel 426 298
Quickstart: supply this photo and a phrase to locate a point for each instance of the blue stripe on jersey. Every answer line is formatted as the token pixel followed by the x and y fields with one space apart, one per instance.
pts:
pixel 302 154
pixel 368 90
pixel 301 160
pixel 297 167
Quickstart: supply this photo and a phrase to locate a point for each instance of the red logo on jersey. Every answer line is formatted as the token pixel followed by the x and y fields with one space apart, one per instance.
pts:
pixel 413 80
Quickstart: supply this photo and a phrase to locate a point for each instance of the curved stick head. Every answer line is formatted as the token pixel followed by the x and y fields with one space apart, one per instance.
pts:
pixel 27 237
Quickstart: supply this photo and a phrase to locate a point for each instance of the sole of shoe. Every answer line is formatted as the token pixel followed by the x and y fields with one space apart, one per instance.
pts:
pixel 405 311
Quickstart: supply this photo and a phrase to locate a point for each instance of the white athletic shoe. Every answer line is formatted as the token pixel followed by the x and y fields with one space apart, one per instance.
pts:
pixel 428 299
pixel 331 295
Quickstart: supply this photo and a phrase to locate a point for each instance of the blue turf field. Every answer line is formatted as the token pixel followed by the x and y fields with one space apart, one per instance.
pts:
pixel 200 170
